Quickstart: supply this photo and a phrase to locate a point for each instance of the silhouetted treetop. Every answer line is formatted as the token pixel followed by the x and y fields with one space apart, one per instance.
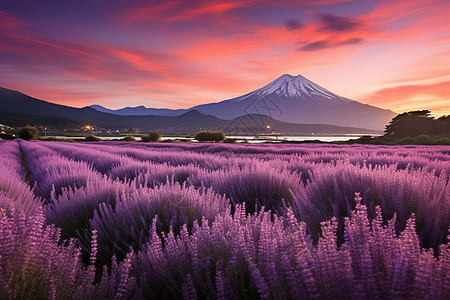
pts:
pixel 414 123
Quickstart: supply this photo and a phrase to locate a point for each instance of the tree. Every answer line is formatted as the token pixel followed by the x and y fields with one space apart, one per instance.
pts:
pixel 210 136
pixel 442 125
pixel 92 138
pixel 29 133
pixel 129 138
pixel 152 137
pixel 410 124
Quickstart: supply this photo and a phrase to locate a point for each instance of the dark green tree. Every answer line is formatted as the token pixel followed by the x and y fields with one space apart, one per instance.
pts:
pixel 129 138
pixel 410 124
pixel 152 137
pixel 28 133
pixel 210 136
pixel 442 126
pixel 92 138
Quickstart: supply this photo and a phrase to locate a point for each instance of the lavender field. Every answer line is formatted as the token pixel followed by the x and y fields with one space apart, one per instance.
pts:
pixel 125 220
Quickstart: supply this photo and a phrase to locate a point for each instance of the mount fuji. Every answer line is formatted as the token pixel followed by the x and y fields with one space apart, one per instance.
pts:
pixel 293 99
pixel 296 99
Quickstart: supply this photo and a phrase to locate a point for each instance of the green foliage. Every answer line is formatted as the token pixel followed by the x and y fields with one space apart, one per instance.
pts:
pixel 92 138
pixel 6 136
pixel 230 141
pixel 442 141
pixel 423 140
pixel 28 133
pixel 129 138
pixel 365 139
pixel 416 123
pixel 152 137
pixel 210 136
pixel 50 139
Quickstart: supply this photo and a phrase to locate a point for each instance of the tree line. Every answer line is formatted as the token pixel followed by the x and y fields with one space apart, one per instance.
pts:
pixel 415 123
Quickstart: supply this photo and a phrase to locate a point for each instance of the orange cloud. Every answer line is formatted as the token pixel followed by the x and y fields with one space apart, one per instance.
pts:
pixel 435 97
pixel 136 60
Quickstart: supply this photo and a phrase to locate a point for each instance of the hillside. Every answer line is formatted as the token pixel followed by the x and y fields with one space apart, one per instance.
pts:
pixel 21 109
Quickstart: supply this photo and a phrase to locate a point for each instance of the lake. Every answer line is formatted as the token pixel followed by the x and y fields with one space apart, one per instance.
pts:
pixel 250 139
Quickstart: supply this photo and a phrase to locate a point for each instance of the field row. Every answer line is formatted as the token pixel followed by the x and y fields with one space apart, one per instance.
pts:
pixel 277 221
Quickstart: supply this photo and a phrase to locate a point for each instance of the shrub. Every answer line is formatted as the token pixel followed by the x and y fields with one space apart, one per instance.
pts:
pixel 442 141
pixel 6 136
pixel 423 140
pixel 210 136
pixel 51 139
pixel 35 266
pixel 398 192
pixel 406 141
pixel 256 186
pixel 152 137
pixel 251 257
pixel 72 211
pixel 92 138
pixel 28 133
pixel 129 138
pixel 128 222
pixel 230 141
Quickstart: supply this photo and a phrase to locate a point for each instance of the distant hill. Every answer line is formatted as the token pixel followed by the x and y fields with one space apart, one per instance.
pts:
pixel 15 119
pixel 140 111
pixel 260 122
pixel 21 109
pixel 20 104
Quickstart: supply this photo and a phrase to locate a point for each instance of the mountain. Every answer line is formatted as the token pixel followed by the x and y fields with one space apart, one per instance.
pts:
pixel 140 111
pixel 293 99
pixel 296 99
pixel 19 106
pixel 20 109
pixel 16 119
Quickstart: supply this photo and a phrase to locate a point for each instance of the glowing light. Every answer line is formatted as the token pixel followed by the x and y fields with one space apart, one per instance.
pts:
pixel 268 126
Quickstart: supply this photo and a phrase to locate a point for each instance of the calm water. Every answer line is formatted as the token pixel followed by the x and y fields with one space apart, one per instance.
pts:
pixel 250 139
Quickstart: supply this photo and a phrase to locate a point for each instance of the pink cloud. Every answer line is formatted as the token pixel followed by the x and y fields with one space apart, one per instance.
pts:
pixel 8 21
pixel 434 97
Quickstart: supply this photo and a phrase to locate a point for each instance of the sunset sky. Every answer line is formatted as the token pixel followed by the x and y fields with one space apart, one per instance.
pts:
pixel 176 54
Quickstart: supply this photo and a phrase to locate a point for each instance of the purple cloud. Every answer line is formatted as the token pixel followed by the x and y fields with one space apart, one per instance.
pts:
pixel 292 25
pixel 336 23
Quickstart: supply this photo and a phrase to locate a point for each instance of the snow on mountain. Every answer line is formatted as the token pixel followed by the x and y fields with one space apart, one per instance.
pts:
pixel 295 86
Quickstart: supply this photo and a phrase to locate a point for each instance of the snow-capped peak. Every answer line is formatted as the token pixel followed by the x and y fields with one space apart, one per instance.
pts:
pixel 295 86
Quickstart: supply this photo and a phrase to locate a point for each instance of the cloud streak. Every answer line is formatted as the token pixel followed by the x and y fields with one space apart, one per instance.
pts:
pixel 434 97
pixel 326 44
